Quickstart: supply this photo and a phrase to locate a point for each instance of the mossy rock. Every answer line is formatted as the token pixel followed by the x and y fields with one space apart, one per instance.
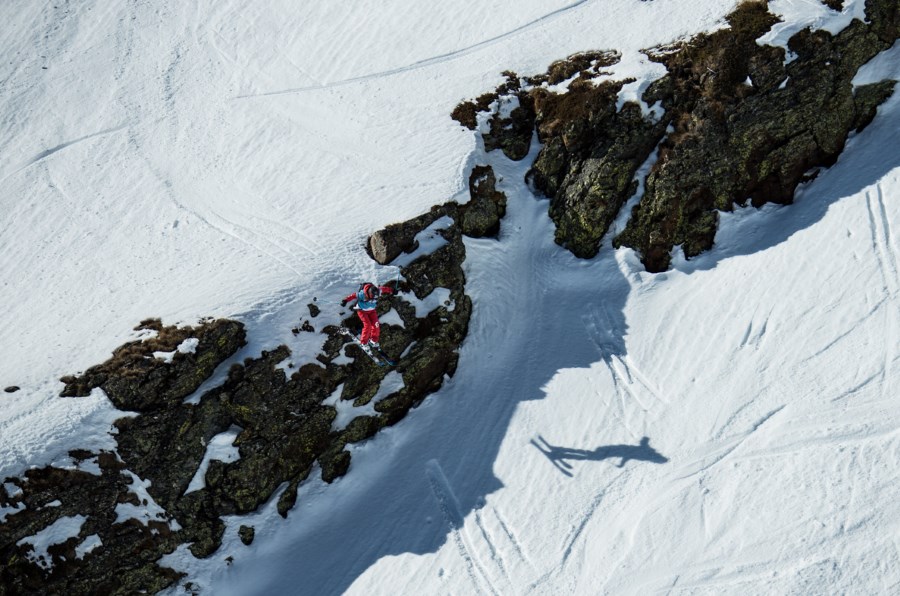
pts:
pixel 481 216
pixel 735 143
pixel 247 534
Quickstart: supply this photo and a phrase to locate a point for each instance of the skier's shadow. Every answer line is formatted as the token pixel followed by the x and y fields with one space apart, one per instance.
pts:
pixel 560 456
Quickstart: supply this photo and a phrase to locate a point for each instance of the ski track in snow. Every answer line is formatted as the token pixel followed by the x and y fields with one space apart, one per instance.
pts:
pixel 427 61
pixel 882 244
pixel 48 152
pixel 886 253
pixel 630 384
pixel 718 454
pixel 449 507
pixel 513 541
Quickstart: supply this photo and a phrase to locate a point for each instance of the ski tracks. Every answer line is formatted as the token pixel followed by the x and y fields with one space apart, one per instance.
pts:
pixel 717 455
pixel 482 554
pixel 886 256
pixel 425 62
pixel 632 386
pixel 753 338
pixel 882 241
pixel 48 152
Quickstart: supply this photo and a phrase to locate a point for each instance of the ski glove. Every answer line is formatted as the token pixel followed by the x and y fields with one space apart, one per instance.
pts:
pixel 344 302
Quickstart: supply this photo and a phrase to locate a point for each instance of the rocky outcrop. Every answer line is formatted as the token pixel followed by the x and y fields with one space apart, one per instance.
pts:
pixel 135 379
pixel 387 244
pixel 123 560
pixel 482 214
pixel 748 125
pixel 590 156
pixel 749 128
pixel 283 427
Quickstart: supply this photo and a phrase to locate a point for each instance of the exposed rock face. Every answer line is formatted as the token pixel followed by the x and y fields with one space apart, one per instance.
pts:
pixel 283 426
pixel 748 128
pixel 247 534
pixel 136 380
pixel 736 142
pixel 482 214
pixel 123 562
pixel 590 156
pixel 386 245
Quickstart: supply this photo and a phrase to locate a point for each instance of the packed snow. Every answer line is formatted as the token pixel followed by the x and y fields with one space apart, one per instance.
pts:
pixel 729 426
pixel 56 533
pixel 220 447
pixel 87 545
pixel 147 509
pixel 188 346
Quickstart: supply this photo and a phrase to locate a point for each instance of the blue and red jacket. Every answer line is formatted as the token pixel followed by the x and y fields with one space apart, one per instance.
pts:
pixel 361 302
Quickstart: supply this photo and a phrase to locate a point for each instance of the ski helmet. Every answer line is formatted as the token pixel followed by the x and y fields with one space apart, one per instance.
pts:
pixel 370 291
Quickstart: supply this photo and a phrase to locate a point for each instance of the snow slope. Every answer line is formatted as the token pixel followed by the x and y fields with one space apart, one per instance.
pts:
pixel 230 160
pixel 175 160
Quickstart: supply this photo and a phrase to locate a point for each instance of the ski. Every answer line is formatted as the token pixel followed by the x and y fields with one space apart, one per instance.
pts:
pixel 381 359
pixel 386 358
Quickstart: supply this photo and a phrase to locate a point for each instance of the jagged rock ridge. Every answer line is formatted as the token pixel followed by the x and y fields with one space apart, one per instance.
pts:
pixel 748 125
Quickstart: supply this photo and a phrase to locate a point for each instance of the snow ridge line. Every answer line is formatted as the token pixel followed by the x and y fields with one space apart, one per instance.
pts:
pixel 426 61
pixel 450 509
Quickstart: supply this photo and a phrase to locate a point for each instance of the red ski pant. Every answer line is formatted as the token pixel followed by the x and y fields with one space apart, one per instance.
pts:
pixel 371 326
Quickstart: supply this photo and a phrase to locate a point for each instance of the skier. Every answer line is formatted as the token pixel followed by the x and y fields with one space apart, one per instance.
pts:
pixel 366 301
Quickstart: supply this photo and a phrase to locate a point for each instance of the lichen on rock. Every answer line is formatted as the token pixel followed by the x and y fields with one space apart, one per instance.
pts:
pixel 736 143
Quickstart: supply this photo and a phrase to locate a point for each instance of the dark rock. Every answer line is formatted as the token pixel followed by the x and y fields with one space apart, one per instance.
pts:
pixel 247 533
pixel 12 389
pixel 123 563
pixel 135 380
pixel 735 143
pixel 590 152
pixel 314 310
pixel 590 156
pixel 466 113
pixel 482 214
pixel 334 465
pixel 386 245
pixel 586 65
pixel 512 134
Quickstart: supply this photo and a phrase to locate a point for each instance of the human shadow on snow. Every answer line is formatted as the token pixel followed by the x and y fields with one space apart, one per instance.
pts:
pixel 560 456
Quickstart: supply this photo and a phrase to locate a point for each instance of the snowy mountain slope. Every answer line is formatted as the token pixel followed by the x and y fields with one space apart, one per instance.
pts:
pixel 764 372
pixel 150 170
